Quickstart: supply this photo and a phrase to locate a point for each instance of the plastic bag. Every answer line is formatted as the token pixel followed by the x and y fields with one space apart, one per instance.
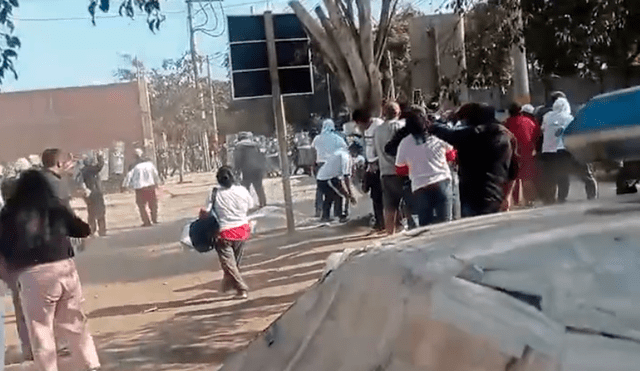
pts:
pixel 185 240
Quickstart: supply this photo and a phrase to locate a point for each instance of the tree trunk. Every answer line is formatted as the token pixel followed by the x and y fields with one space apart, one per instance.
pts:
pixel 348 51
pixel 181 161
pixel 330 52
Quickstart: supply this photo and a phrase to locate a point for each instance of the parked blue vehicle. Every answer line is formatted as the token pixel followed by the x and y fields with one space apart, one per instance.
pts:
pixel 607 128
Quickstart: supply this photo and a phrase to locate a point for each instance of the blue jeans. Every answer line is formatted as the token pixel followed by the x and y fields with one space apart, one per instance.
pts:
pixel 434 203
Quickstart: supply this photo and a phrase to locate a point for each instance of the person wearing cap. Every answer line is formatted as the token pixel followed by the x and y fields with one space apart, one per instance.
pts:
pixel 144 179
pixel 527 132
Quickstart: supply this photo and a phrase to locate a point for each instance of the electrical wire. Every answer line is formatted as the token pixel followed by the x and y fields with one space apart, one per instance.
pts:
pixel 66 19
pixel 80 18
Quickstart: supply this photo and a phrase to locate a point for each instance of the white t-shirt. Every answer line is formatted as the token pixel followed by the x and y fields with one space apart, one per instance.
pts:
pixel 427 162
pixel 351 128
pixel 231 207
pixel 143 175
pixel 369 142
pixel 338 166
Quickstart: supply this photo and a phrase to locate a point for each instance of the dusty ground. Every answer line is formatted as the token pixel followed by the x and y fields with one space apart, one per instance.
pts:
pixel 153 305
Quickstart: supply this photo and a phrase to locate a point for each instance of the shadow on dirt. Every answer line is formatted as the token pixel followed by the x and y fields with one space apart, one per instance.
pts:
pixel 209 325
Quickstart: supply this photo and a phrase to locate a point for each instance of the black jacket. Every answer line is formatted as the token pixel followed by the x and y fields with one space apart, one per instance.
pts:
pixel 31 237
pixel 248 158
pixel 486 156
pixel 391 148
pixel 91 177
pixel 59 186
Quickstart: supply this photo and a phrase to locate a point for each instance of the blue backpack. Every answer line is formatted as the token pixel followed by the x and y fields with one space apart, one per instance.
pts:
pixel 204 231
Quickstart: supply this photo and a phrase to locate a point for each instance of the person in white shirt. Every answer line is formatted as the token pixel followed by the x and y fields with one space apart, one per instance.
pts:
pixel 334 183
pixel 144 179
pixel 368 125
pixel 423 157
pixel 393 185
pixel 325 144
pixel 231 204
pixel 557 162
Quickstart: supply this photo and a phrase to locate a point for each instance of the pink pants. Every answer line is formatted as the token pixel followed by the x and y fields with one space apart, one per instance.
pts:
pixel 51 295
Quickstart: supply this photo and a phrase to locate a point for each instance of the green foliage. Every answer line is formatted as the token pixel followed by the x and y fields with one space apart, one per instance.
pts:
pixel 128 8
pixel 9 43
pixel 564 37
pixel 398 45
pixel 580 36
pixel 175 103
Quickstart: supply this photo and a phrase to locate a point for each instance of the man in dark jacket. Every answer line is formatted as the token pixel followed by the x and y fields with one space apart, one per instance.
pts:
pixel 54 170
pixel 96 208
pixel 251 163
pixel 486 157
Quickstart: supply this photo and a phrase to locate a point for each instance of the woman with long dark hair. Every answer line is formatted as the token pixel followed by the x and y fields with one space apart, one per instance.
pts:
pixel 35 228
pixel 423 157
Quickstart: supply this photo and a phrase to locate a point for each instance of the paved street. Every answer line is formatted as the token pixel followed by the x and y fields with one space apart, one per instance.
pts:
pixel 153 305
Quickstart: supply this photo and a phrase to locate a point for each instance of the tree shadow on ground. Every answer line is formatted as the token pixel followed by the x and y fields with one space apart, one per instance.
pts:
pixel 209 325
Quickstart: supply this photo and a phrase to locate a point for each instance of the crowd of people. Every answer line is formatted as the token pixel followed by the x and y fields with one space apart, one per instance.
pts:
pixel 412 161
pixel 191 159
pixel 441 166
pixel 39 236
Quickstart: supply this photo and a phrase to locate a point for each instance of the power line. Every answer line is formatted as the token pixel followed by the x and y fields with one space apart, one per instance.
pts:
pixel 87 18
pixel 64 19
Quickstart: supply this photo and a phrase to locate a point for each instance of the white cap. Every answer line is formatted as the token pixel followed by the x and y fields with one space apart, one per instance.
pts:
pixel 139 152
pixel 527 108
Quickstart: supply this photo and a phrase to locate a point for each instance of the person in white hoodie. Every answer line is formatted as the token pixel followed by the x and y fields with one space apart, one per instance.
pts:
pixel 558 164
pixel 326 144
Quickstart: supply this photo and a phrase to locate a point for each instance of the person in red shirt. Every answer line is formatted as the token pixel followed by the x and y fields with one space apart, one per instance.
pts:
pixel 526 132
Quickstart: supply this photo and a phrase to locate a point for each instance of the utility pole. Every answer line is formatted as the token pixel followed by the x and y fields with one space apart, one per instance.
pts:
pixel 196 78
pixel 520 70
pixel 278 111
pixel 214 120
pixel 192 44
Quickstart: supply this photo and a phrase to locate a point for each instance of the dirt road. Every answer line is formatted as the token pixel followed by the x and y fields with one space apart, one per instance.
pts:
pixel 153 305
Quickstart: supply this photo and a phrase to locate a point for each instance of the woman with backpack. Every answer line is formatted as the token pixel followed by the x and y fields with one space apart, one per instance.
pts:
pixel 230 204
pixel 35 227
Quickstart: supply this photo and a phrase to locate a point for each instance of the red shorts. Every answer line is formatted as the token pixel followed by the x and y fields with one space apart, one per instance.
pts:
pixel 241 233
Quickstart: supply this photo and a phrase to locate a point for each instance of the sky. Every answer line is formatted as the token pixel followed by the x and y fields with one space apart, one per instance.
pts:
pixel 61 48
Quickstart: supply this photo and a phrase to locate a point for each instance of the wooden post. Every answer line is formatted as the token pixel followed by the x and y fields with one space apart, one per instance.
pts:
pixel 214 120
pixel 278 111
pixel 148 141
